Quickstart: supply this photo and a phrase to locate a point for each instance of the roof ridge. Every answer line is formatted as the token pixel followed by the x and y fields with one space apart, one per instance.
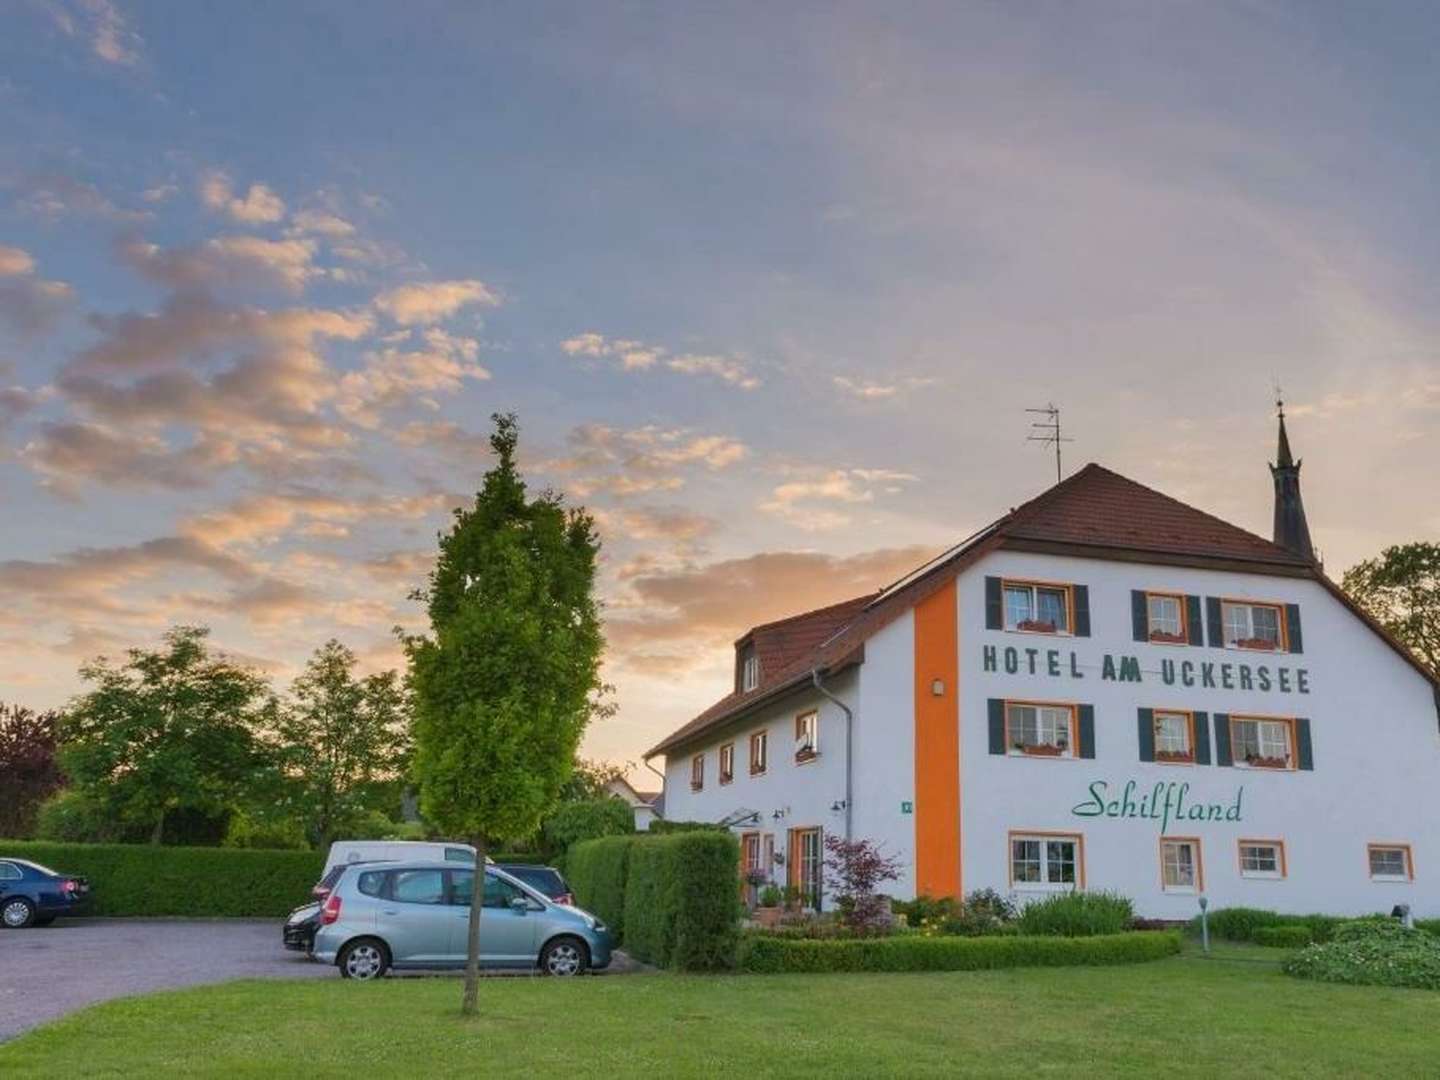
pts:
pixel 1095 467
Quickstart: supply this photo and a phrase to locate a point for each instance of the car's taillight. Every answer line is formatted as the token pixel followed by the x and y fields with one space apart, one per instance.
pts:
pixel 69 886
pixel 331 911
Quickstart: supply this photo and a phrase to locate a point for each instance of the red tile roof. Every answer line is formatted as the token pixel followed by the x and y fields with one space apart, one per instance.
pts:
pixel 1094 512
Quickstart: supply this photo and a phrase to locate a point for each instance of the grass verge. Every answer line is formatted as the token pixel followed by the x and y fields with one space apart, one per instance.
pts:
pixel 1232 1015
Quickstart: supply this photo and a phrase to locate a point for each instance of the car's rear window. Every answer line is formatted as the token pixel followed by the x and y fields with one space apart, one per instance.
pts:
pixel 37 866
pixel 548 881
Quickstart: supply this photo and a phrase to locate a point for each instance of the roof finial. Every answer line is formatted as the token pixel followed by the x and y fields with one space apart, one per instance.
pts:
pixel 1282 451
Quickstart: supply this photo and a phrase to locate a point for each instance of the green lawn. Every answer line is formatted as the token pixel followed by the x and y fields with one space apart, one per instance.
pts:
pixel 1235 1015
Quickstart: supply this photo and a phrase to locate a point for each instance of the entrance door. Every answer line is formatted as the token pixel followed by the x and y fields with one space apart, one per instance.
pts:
pixel 805 863
pixel 749 863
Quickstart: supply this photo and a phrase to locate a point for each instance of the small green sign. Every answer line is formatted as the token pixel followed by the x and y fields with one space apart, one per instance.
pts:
pixel 907 808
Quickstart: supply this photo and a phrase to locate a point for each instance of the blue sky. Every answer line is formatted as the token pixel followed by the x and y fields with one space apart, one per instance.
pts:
pixel 769 288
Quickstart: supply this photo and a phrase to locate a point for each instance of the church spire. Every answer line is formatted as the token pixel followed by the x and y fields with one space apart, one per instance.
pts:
pixel 1291 529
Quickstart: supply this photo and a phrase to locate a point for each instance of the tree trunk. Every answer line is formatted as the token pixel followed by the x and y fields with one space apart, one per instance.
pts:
pixel 469 1005
pixel 157 834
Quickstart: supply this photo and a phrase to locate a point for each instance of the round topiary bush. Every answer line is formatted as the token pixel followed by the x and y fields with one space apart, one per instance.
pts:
pixel 1374 953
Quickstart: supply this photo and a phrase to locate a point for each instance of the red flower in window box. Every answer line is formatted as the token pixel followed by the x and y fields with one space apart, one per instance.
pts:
pixel 1042 749
pixel 1168 639
pixel 1257 643
pixel 1036 626
pixel 1176 757
pixel 1258 762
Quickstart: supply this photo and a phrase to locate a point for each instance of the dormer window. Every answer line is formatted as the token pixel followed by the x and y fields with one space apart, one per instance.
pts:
pixel 749 673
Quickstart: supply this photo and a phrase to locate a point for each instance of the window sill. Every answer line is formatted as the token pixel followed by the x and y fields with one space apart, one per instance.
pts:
pixel 806 759
pixel 1039 633
pixel 1041 754
pixel 1159 637
pixel 1181 890
pixel 757 772
pixel 724 781
pixel 1255 875
pixel 697 787
pixel 1259 767
pixel 1386 880
pixel 1041 886
pixel 1174 758
pixel 1240 646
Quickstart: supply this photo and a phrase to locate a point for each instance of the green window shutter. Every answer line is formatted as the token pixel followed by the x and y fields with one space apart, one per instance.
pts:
pixel 997 726
pixel 1292 627
pixel 1202 738
pixel 994 605
pixel 1304 749
pixel 1195 632
pixel 1222 739
pixel 1082 611
pixel 1212 616
pixel 1087 731
pixel 1145 728
pixel 1139 616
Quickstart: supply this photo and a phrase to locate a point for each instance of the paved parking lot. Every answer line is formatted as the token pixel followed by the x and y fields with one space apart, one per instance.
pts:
pixel 50 971
pixel 46 972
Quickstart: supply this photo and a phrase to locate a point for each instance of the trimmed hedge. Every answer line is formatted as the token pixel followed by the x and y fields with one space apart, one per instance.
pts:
pixel 767 954
pixel 1284 937
pixel 681 910
pixel 596 870
pixel 1245 924
pixel 139 879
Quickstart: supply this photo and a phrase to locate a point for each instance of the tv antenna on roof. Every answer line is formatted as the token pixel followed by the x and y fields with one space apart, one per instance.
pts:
pixel 1049 433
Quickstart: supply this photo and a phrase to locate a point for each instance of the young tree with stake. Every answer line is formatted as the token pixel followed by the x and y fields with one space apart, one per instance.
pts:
pixel 508 677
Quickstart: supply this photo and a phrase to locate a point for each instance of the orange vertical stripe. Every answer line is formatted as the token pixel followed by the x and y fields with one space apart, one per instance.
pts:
pixel 937 745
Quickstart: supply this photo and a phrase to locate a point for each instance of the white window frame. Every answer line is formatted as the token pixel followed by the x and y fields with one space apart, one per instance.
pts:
pixel 1047 716
pixel 750 673
pixel 1197 870
pixel 1033 589
pixel 1265 728
pixel 1277 848
pixel 1077 860
pixel 1187 730
pixel 808 736
pixel 1407 857
pixel 1152 625
pixel 762 739
pixel 1237 629
pixel 727 773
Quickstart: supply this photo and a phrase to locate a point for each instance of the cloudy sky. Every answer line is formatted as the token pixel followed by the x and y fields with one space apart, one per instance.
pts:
pixel 769 287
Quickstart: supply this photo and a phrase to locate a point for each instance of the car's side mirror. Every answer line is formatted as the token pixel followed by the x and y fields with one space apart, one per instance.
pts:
pixel 519 903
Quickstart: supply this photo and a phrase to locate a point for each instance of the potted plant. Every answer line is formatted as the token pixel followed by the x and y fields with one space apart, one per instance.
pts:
pixel 1175 757
pixel 1165 638
pixel 793 898
pixel 1044 749
pixel 768 912
pixel 1036 626
pixel 1257 643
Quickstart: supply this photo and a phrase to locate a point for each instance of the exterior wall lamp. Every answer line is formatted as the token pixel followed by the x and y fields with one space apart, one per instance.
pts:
pixel 937 687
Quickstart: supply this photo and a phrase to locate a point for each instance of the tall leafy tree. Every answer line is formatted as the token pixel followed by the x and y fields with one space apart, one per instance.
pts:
pixel 508 677
pixel 1401 590
pixel 29 769
pixel 338 737
pixel 171 731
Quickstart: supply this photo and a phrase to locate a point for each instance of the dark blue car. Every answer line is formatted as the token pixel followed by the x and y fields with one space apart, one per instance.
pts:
pixel 34 895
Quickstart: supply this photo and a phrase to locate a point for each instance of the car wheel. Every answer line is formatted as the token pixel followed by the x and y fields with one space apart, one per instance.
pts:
pixel 363 959
pixel 17 912
pixel 565 956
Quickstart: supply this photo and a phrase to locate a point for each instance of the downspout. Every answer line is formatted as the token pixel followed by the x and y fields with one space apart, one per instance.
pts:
pixel 849 743
pixel 661 775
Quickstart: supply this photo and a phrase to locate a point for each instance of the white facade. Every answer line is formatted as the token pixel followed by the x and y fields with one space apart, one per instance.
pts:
pixel 1373 742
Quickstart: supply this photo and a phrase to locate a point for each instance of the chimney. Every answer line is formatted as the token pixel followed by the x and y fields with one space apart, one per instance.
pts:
pixel 1291 530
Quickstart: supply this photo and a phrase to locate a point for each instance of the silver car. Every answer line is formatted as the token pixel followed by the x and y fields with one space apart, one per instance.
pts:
pixel 415 915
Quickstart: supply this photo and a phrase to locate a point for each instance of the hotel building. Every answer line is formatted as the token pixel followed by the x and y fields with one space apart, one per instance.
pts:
pixel 1104 689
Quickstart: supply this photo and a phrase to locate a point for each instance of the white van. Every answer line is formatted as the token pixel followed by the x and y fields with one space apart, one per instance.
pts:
pixel 343 852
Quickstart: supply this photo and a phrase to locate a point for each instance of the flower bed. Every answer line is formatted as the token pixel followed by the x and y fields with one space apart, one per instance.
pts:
pixel 1374 953
pixel 771 954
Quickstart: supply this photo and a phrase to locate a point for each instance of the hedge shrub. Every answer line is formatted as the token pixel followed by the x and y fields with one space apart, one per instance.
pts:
pixel 1284 937
pixel 765 954
pixel 681 908
pixel 139 879
pixel 1243 924
pixel 1078 914
pixel 596 870
pixel 1373 953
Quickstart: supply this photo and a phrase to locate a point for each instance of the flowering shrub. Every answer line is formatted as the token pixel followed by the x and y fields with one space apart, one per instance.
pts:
pixel 1372 952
